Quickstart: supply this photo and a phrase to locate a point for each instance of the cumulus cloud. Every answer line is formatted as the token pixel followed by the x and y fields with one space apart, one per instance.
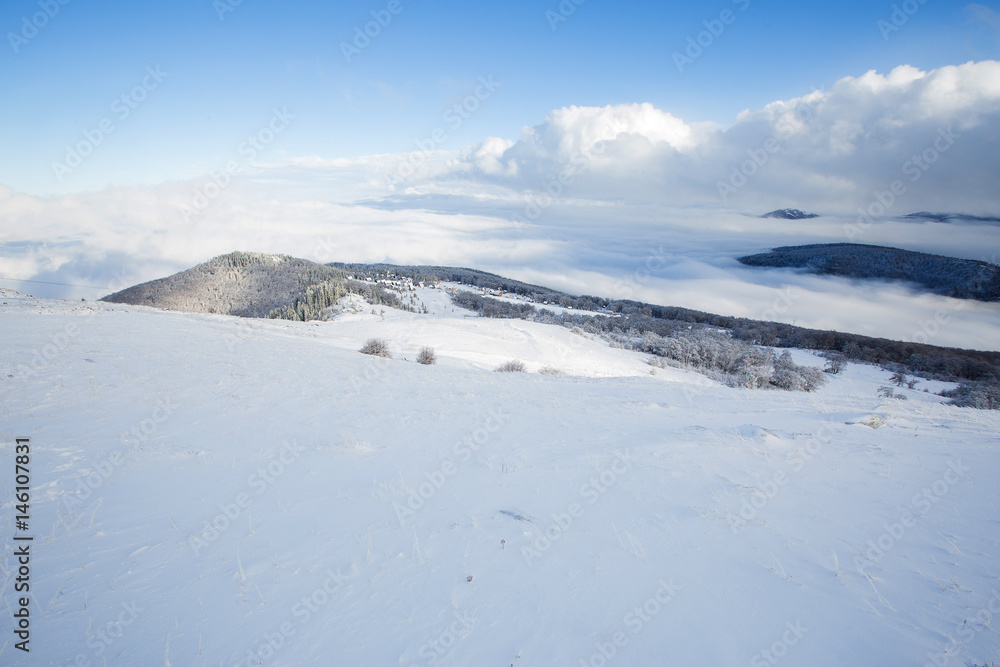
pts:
pixel 831 150
pixel 619 201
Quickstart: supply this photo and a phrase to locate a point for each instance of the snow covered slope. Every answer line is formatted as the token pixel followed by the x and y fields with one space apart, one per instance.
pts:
pixel 208 490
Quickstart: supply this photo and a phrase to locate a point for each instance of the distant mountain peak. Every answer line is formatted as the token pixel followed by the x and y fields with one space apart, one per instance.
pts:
pixel 789 214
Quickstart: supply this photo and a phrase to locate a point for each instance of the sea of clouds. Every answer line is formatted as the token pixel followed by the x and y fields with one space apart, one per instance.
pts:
pixel 621 201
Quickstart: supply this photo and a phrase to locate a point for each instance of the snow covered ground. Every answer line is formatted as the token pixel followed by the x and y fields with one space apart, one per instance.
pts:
pixel 208 490
pixel 462 339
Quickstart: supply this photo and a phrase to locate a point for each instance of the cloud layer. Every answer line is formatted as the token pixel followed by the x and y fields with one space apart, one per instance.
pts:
pixel 621 201
pixel 831 150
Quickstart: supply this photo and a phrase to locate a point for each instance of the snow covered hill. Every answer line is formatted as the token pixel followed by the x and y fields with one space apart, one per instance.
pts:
pixel 951 276
pixel 209 490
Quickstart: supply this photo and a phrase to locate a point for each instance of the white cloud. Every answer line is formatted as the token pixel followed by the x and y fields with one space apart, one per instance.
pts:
pixel 636 178
pixel 833 149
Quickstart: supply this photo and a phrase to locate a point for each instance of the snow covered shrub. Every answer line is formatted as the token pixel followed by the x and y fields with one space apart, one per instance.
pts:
pixel 981 395
pixel 731 362
pixel 512 366
pixel 792 377
pixel 427 356
pixel 548 370
pixel 887 392
pixel 755 368
pixel 376 347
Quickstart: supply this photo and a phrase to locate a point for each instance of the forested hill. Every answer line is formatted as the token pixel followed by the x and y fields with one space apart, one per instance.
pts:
pixel 465 276
pixel 951 217
pixel 251 284
pixel 950 276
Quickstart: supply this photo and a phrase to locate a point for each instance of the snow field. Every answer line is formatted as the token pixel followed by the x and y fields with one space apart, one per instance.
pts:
pixel 218 491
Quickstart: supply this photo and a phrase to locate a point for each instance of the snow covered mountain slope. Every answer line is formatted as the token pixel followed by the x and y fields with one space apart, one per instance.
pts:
pixel 208 490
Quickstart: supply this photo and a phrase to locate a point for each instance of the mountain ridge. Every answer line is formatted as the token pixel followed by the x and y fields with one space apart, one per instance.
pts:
pixel 621 321
pixel 949 276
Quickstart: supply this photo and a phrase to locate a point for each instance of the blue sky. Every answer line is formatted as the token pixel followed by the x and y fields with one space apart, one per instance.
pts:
pixel 594 148
pixel 224 76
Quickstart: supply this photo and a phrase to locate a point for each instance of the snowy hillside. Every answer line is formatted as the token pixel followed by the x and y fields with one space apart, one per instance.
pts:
pixel 210 490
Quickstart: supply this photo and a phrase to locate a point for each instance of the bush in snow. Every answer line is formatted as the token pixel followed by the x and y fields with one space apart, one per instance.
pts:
pixel 548 370
pixel 792 377
pixel 887 392
pixel 426 356
pixel 732 362
pixel 513 366
pixel 982 395
pixel 376 347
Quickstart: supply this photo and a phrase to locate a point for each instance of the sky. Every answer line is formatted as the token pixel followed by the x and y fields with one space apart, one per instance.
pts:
pixel 545 139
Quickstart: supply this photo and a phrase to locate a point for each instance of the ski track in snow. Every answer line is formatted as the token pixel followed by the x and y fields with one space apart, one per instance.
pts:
pixel 379 512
